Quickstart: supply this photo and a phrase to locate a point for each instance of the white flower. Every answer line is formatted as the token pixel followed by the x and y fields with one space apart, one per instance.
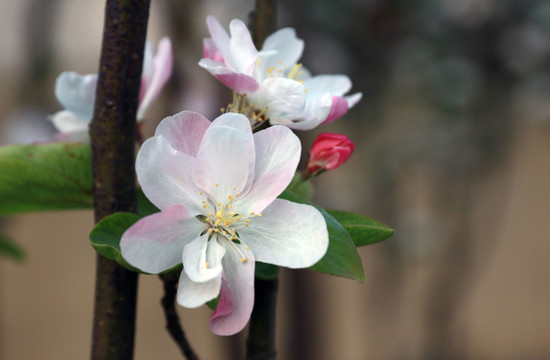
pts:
pixel 217 186
pixel 276 85
pixel 76 93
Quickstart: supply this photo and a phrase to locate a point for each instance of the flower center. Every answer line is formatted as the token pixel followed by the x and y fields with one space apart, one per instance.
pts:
pixel 223 221
pixel 242 105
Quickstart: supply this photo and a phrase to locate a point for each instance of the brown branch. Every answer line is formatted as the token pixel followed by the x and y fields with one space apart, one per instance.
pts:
pixel 112 134
pixel 170 282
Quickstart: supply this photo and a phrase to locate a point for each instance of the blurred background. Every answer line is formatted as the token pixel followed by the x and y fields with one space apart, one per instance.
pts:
pixel 451 141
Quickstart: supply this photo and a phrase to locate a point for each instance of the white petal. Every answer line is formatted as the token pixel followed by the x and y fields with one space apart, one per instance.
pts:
pixel 278 152
pixel 244 52
pixel 202 259
pixel 288 47
pixel 225 157
pixel 155 243
pixel 193 294
pixel 76 93
pixel 327 84
pixel 164 175
pixel 353 99
pixel 287 234
pixel 184 131
pixel 284 99
pixel 66 121
pixel 237 292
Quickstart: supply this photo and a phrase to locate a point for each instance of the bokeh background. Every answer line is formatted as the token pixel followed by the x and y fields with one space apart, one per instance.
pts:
pixel 452 144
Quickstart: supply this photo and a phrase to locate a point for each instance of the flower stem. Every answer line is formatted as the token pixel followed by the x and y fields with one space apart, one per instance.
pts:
pixel 112 134
pixel 170 281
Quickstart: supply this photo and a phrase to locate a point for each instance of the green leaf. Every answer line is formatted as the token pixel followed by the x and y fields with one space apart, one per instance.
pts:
pixel 363 231
pixel 105 236
pixel 10 249
pixel 266 271
pixel 52 176
pixel 341 258
pixel 145 207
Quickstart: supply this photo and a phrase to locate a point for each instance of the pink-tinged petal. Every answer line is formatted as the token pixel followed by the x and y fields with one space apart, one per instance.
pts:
pixel 287 234
pixel 243 51
pixel 338 109
pixel 225 161
pixel 284 99
pixel 202 259
pixel 277 155
pixel 237 292
pixel 66 121
pixel 210 51
pixel 184 131
pixel 288 47
pixel 165 175
pixel 241 83
pixel 155 243
pixel 76 93
pixel 193 294
pixel 163 64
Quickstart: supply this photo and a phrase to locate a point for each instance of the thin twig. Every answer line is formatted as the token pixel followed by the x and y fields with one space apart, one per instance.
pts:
pixel 112 134
pixel 170 281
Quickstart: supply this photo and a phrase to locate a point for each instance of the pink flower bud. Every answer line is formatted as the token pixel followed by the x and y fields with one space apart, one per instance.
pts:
pixel 328 152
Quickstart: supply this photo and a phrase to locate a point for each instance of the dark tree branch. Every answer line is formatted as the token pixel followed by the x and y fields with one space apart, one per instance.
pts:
pixel 170 281
pixel 261 336
pixel 112 134
pixel 264 20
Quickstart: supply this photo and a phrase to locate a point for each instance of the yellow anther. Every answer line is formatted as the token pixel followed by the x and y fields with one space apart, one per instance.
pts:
pixel 252 213
pixel 230 206
pixel 219 214
pixel 206 265
pixel 246 224
pixel 219 204
pixel 207 219
pixel 234 188
pixel 260 214
pixel 237 194
pixel 216 184
pixel 243 260
pixel 209 231
pixel 217 222
pixel 216 230
pixel 200 192
pixel 230 197
pixel 305 90
pixel 247 248
pixel 280 62
pixel 205 206
pixel 232 213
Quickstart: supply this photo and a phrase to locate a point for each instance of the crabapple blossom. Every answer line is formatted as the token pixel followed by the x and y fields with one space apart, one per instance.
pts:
pixel 271 84
pixel 328 152
pixel 216 185
pixel 76 93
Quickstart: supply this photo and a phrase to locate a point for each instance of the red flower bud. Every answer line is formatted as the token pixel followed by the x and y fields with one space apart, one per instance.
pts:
pixel 328 152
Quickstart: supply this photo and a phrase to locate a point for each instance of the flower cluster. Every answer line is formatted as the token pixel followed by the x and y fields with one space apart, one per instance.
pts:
pixel 76 93
pixel 217 183
pixel 275 86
